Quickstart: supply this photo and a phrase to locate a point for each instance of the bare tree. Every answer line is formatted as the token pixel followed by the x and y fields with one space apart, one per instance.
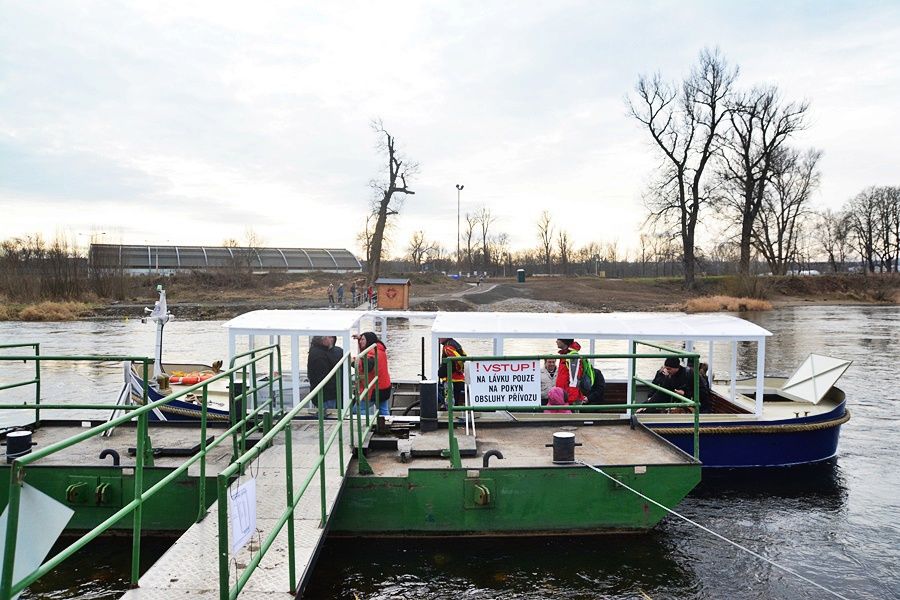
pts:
pixel 563 247
pixel 417 248
pixel 776 233
pixel 834 237
pixel 611 255
pixel 545 235
pixel 468 236
pixel 761 124
pixel 887 215
pixel 364 237
pixel 684 121
pixel 861 214
pixel 388 193
pixel 485 220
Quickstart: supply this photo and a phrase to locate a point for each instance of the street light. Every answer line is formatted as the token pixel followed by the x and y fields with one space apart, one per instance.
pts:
pixel 459 189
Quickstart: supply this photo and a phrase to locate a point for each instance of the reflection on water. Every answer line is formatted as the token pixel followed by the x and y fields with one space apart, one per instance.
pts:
pixel 836 523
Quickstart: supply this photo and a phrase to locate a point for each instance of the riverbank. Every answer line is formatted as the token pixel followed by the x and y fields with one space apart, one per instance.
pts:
pixel 209 298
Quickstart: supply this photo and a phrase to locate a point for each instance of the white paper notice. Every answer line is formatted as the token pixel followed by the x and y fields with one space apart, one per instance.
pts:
pixel 242 513
pixel 41 520
pixel 505 383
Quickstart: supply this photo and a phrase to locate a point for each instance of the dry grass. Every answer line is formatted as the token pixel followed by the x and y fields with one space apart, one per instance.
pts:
pixel 8 313
pixel 54 311
pixel 725 303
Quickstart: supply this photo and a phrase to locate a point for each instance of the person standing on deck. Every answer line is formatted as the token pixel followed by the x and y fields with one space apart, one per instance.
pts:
pixel 353 299
pixel 570 370
pixel 340 291
pixel 366 365
pixel 322 358
pixel 330 295
pixel 450 348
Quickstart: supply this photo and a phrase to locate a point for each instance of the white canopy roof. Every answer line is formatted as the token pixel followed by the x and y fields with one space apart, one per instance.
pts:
pixel 284 322
pixel 644 326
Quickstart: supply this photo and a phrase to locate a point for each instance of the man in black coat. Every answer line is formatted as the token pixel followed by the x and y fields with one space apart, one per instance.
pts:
pixel 323 356
pixel 672 376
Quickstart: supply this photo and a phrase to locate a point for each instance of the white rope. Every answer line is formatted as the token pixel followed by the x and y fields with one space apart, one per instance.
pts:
pixel 710 531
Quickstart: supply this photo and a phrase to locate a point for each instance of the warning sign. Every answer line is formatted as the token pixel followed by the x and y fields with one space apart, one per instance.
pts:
pixel 505 383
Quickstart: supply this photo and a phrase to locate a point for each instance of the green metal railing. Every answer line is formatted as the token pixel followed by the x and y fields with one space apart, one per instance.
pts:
pixel 143 456
pixel 345 414
pixel 678 401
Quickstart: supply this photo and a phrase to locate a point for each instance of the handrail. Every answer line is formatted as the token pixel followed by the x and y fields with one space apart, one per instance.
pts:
pixel 293 497
pixel 143 455
pixel 678 400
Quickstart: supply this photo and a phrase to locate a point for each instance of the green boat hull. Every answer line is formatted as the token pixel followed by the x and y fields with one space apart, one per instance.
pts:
pixel 510 501
pixel 174 510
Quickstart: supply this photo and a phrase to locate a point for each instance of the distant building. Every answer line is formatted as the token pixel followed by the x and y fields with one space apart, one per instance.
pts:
pixel 166 260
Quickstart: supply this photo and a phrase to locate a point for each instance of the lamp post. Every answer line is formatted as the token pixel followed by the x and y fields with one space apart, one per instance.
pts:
pixel 459 189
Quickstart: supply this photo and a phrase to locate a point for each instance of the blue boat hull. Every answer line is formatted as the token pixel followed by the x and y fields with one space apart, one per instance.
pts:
pixel 769 445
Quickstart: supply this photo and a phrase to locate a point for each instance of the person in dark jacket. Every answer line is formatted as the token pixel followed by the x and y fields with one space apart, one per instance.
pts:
pixel 323 356
pixel 671 376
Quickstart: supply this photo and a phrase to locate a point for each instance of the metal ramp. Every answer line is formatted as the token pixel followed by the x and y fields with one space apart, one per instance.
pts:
pixel 190 568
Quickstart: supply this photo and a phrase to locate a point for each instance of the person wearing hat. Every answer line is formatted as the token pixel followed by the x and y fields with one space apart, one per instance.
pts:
pixel 569 371
pixel 450 348
pixel 671 376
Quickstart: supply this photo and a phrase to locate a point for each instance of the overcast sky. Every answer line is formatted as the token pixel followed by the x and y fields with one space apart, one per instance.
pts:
pixel 186 122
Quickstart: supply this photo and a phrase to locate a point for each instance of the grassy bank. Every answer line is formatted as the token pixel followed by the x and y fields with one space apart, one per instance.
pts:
pixel 220 295
pixel 45 311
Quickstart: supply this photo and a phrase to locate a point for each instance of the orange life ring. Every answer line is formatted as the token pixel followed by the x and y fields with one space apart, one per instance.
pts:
pixel 191 379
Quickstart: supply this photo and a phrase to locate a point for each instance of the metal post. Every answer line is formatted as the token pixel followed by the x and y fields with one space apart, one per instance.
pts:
pixel 339 404
pixel 12 530
pixel 632 368
pixel 695 362
pixel 459 189
pixel 138 491
pixel 289 484
pixel 202 483
pixel 760 374
pixel 222 485
pixel 321 398
pixel 37 385
pixel 455 458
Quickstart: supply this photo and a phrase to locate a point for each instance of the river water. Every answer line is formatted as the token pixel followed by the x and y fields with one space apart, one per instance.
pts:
pixel 836 523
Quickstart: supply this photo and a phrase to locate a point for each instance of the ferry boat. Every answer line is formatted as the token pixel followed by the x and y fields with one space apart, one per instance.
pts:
pixel 763 421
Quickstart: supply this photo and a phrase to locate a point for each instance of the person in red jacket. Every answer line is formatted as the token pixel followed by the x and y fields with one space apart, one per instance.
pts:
pixel 566 379
pixel 366 364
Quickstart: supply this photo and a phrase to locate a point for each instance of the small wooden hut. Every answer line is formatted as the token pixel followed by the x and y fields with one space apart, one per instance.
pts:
pixel 392 293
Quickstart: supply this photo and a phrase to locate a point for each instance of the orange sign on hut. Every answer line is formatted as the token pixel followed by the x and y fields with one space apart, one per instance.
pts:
pixel 392 293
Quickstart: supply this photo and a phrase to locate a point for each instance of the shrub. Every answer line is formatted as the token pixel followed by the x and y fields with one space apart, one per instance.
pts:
pixel 54 311
pixel 725 303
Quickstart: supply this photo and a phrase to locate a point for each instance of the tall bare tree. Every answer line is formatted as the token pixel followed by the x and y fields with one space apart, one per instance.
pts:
pixel 761 124
pixel 545 235
pixel 564 248
pixel 834 237
pixel 418 248
pixel 861 215
pixel 887 215
pixel 776 233
pixel 468 236
pixel 485 220
pixel 388 192
pixel 684 121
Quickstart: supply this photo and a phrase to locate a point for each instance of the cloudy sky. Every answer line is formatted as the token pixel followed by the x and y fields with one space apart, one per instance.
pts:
pixel 176 122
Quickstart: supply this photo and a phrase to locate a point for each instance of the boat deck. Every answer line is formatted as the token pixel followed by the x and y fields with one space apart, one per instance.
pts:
pixel 164 438
pixel 189 569
pixel 524 445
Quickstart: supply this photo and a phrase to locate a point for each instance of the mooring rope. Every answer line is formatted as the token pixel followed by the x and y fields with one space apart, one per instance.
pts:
pixel 729 429
pixel 710 531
